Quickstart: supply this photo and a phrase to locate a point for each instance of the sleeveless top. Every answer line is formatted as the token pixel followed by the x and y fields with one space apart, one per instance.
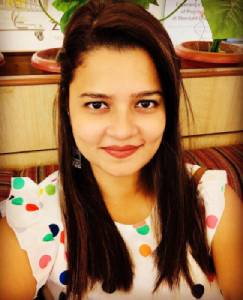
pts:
pixel 33 212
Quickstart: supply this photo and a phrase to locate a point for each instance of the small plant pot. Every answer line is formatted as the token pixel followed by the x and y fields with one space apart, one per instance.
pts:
pixel 45 60
pixel 197 53
pixel 2 60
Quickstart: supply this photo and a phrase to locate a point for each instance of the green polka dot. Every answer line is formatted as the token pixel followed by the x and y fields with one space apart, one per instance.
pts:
pixel 18 183
pixel 48 237
pixel 17 201
pixel 50 189
pixel 143 230
pixel 223 188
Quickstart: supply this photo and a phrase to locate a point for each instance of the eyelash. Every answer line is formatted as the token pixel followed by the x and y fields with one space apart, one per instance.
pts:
pixel 101 103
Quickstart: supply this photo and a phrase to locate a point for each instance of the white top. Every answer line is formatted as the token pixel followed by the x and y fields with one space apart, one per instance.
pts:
pixel 33 212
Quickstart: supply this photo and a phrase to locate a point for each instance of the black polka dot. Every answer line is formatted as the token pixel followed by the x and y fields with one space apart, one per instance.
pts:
pixel 62 296
pixel 11 197
pixel 108 288
pixel 197 290
pixel 54 229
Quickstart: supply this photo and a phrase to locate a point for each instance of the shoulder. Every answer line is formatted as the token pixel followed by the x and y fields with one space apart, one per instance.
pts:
pixel 210 188
pixel 227 247
pixel 15 270
pixel 32 225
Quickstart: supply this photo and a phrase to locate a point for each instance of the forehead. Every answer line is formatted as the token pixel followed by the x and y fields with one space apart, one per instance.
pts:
pixel 111 68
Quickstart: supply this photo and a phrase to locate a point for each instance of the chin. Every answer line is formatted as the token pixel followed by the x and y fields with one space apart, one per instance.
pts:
pixel 122 171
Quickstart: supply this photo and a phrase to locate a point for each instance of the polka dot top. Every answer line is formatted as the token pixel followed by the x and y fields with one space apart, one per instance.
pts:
pixel 33 212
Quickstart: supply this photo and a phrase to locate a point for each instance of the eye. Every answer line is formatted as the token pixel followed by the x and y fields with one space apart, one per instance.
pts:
pixel 147 104
pixel 96 105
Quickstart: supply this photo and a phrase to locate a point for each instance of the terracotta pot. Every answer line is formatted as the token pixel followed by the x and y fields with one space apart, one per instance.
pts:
pixel 2 60
pixel 45 60
pixel 197 52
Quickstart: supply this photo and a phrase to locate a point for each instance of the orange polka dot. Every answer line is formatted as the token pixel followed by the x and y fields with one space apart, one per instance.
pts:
pixel 145 250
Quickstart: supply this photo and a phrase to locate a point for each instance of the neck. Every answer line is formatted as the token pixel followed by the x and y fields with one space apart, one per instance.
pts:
pixel 124 200
pixel 117 188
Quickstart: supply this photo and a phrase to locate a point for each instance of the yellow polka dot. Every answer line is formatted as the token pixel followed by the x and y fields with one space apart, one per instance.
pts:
pixel 40 192
pixel 145 250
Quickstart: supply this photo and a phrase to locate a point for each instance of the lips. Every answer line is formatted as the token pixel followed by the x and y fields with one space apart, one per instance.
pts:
pixel 121 151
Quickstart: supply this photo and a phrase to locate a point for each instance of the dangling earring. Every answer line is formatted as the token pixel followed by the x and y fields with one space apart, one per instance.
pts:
pixel 76 158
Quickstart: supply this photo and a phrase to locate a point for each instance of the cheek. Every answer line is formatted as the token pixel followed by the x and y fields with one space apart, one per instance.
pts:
pixel 86 132
pixel 153 130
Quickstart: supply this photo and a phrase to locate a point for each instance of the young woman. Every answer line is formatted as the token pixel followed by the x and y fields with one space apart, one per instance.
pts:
pixel 123 217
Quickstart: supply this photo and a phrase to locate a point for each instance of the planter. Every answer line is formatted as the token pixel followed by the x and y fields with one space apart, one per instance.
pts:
pixel 2 60
pixel 197 54
pixel 45 60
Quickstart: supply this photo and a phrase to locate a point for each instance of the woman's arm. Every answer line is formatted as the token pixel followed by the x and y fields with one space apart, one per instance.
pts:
pixel 17 281
pixel 227 248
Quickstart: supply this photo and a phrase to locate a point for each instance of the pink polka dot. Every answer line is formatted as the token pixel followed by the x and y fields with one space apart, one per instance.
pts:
pixel 44 261
pixel 211 221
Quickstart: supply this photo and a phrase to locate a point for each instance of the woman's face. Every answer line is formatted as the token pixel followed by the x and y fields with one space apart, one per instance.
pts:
pixel 116 110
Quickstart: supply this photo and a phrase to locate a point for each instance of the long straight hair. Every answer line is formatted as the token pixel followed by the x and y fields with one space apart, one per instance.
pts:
pixel 96 250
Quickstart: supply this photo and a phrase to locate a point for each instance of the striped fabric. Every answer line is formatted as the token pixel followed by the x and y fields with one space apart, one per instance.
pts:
pixel 229 158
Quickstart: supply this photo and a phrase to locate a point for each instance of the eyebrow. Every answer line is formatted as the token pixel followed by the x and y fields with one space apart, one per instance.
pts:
pixel 134 95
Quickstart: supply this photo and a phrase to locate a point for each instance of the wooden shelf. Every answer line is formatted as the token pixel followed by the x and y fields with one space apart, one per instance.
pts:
pixel 18 71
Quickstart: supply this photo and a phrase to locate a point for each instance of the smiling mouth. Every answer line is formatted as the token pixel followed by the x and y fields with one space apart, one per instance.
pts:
pixel 121 152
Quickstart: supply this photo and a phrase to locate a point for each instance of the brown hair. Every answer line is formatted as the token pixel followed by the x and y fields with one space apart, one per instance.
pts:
pixel 90 229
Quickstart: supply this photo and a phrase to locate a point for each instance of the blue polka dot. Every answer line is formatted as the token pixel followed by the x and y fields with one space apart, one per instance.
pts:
pixel 64 277
pixel 62 296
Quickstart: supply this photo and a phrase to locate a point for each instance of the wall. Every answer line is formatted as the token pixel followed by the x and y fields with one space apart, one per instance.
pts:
pixel 26 120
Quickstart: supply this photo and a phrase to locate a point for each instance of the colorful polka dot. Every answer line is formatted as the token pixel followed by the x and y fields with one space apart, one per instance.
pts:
pixel 62 296
pixel 143 230
pixel 62 237
pixel 54 229
pixel 48 237
pixel 223 188
pixel 17 201
pixel 211 221
pixel 145 250
pixel 31 207
pixel 63 278
pixel 40 192
pixel 44 261
pixel 211 277
pixel 18 183
pixel 50 189
pixel 197 290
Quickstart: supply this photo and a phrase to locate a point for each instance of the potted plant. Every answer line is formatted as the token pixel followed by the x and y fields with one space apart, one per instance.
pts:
pixel 45 60
pixel 225 19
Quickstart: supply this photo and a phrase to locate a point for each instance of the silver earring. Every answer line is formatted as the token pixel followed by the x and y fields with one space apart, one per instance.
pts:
pixel 76 159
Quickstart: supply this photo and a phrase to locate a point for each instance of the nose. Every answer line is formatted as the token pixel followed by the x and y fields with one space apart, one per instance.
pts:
pixel 122 125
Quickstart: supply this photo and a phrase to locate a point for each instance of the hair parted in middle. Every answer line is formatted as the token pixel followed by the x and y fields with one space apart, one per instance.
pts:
pixel 123 25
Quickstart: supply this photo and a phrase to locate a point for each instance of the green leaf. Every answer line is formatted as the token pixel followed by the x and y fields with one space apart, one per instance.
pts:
pixel 68 13
pixel 225 18
pixel 64 5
